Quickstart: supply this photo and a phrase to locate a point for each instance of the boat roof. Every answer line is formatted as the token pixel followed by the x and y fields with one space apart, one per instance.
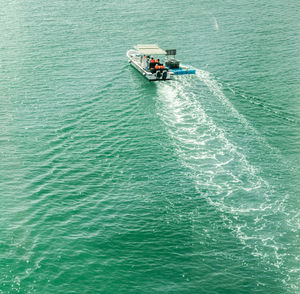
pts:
pixel 150 49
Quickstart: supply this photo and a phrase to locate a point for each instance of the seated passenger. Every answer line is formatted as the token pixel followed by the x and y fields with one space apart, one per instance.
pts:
pixel 152 63
pixel 156 67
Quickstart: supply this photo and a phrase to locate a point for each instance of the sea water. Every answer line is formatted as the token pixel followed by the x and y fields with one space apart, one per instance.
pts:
pixel 113 184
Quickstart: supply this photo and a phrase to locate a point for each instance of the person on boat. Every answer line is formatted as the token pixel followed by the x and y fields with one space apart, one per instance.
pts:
pixel 157 67
pixel 143 61
pixel 157 61
pixel 152 63
pixel 147 62
pixel 162 67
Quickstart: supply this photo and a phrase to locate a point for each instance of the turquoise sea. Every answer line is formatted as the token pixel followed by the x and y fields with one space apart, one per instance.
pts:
pixel 112 184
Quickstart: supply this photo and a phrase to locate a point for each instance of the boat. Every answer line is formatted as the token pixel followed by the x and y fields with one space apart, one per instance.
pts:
pixel 156 64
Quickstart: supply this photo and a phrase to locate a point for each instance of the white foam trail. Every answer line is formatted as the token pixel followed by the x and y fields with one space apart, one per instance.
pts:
pixel 216 89
pixel 220 170
pixel 201 143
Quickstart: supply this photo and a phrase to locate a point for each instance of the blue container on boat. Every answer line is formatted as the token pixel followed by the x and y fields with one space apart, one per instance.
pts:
pixel 181 71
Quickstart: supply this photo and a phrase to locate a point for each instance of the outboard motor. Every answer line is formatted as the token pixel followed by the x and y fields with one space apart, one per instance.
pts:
pixel 158 74
pixel 164 75
pixel 172 63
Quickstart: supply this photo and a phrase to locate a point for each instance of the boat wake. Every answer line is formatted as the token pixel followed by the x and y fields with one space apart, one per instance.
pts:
pixel 217 146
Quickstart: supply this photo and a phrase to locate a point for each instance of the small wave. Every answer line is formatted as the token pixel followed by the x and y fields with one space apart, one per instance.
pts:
pixel 216 23
pixel 272 109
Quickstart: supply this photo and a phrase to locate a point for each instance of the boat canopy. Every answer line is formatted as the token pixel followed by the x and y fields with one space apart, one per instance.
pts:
pixel 150 49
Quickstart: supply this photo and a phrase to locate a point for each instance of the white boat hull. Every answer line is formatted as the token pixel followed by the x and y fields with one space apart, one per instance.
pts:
pixel 135 60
